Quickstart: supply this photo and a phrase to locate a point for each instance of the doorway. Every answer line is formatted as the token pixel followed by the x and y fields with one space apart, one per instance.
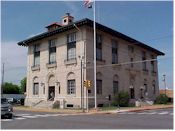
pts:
pixel 51 93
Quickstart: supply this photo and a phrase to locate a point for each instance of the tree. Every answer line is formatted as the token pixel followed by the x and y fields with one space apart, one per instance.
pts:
pixel 9 88
pixel 162 99
pixel 23 83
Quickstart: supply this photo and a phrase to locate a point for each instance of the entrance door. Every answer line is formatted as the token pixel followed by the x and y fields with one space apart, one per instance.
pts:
pixel 51 93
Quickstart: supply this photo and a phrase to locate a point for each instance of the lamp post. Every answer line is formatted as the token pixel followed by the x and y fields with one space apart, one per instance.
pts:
pixel 164 80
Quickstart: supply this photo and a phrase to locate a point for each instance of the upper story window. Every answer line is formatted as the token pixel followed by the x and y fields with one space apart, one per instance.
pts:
pixel 99 47
pixel 52 51
pixel 99 86
pixel 71 46
pixel 143 59
pixel 71 37
pixel 130 49
pixel 152 64
pixel 36 55
pixel 132 64
pixel 114 52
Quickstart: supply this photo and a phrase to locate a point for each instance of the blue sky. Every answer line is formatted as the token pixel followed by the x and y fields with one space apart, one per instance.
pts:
pixel 148 22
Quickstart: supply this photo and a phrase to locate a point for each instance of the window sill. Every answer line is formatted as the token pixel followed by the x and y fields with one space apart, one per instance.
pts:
pixel 34 68
pixel 70 61
pixel 153 73
pixel 100 61
pixel 145 72
pixel 51 65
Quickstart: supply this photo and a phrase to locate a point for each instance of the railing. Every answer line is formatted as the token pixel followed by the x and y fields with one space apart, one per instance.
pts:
pixel 37 103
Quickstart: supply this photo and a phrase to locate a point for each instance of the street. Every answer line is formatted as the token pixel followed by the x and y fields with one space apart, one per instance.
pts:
pixel 150 119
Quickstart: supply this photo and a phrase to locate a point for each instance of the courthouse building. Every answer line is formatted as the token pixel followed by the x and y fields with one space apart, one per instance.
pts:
pixel 54 65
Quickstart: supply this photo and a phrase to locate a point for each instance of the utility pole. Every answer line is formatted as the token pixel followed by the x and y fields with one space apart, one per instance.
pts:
pixel 2 82
pixel 164 80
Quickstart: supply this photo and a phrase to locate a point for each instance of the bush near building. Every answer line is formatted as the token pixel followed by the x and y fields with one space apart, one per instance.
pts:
pixel 161 99
pixel 121 99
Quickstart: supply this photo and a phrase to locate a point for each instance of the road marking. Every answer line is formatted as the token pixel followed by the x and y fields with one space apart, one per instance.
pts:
pixel 142 113
pixel 171 113
pixel 22 114
pixel 29 116
pixel 163 113
pixel 6 119
pixel 20 118
pixel 151 113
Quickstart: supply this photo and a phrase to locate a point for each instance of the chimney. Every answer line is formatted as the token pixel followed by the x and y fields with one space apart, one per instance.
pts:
pixel 67 19
pixel 53 26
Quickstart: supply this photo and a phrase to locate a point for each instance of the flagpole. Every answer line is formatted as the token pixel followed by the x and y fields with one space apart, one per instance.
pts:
pixel 95 85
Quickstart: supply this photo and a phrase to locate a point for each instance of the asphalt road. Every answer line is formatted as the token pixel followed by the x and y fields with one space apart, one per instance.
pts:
pixel 152 119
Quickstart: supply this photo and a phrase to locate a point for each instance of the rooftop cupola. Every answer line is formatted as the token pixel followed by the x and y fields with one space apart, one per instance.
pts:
pixel 53 26
pixel 67 19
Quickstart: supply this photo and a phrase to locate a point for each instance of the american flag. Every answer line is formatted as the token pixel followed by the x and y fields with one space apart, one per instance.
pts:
pixel 88 3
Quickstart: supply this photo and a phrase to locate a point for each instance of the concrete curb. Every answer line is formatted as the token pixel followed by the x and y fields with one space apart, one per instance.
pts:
pixel 97 112
pixel 135 110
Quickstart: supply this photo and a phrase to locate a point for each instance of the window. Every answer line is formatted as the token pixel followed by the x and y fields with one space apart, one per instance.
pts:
pixel 52 51
pixel 143 59
pixel 154 87
pixel 99 47
pixel 115 87
pixel 114 52
pixel 130 49
pixel 36 55
pixel 71 46
pixel 152 64
pixel 99 86
pixel 71 87
pixel 132 95
pixel 35 88
pixel 132 64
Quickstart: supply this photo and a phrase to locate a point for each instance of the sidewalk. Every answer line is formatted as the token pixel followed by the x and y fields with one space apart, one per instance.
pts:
pixel 93 111
pixel 135 109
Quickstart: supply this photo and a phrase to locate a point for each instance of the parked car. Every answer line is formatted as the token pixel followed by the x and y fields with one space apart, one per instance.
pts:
pixel 6 109
pixel 10 100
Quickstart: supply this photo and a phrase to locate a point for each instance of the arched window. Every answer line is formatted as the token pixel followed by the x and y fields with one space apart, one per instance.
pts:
pixel 35 86
pixel 115 85
pixel 51 80
pixel 51 83
pixel 71 85
pixel 99 83
pixel 154 86
pixel 132 92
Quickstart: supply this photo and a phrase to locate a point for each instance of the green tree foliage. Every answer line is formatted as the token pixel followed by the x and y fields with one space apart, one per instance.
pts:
pixel 162 99
pixel 23 83
pixel 121 99
pixel 9 88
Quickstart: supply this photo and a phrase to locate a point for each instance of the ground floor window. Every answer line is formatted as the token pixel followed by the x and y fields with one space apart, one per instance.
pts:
pixel 35 88
pixel 115 87
pixel 71 87
pixel 99 86
pixel 132 95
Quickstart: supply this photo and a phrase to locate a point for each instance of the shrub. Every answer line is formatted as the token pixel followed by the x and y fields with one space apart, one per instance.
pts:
pixel 162 99
pixel 121 99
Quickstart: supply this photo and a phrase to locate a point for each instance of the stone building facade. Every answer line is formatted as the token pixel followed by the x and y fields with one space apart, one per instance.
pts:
pixel 60 59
